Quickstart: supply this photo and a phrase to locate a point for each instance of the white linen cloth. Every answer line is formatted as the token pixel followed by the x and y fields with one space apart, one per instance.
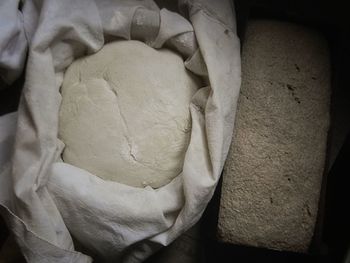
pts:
pixel 45 201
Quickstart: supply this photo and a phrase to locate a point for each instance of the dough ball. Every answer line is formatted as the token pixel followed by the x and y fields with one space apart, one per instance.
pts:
pixel 125 114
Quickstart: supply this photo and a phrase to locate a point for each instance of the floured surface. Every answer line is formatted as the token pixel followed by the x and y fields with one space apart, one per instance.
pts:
pixel 125 114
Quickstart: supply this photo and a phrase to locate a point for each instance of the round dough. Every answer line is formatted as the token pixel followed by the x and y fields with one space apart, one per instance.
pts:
pixel 125 114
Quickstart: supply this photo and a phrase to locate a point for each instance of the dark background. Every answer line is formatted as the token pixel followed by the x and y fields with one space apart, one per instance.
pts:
pixel 332 234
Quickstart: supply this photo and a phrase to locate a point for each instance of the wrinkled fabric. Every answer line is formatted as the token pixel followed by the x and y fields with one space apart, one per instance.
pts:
pixel 45 201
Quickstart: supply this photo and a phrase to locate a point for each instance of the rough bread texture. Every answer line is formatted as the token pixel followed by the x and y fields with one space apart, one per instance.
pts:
pixel 125 114
pixel 273 174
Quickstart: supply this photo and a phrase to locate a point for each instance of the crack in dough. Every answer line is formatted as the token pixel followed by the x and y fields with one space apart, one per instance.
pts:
pixel 125 113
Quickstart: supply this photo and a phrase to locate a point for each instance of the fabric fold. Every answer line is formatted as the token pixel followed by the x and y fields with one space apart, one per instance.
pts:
pixel 13 41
